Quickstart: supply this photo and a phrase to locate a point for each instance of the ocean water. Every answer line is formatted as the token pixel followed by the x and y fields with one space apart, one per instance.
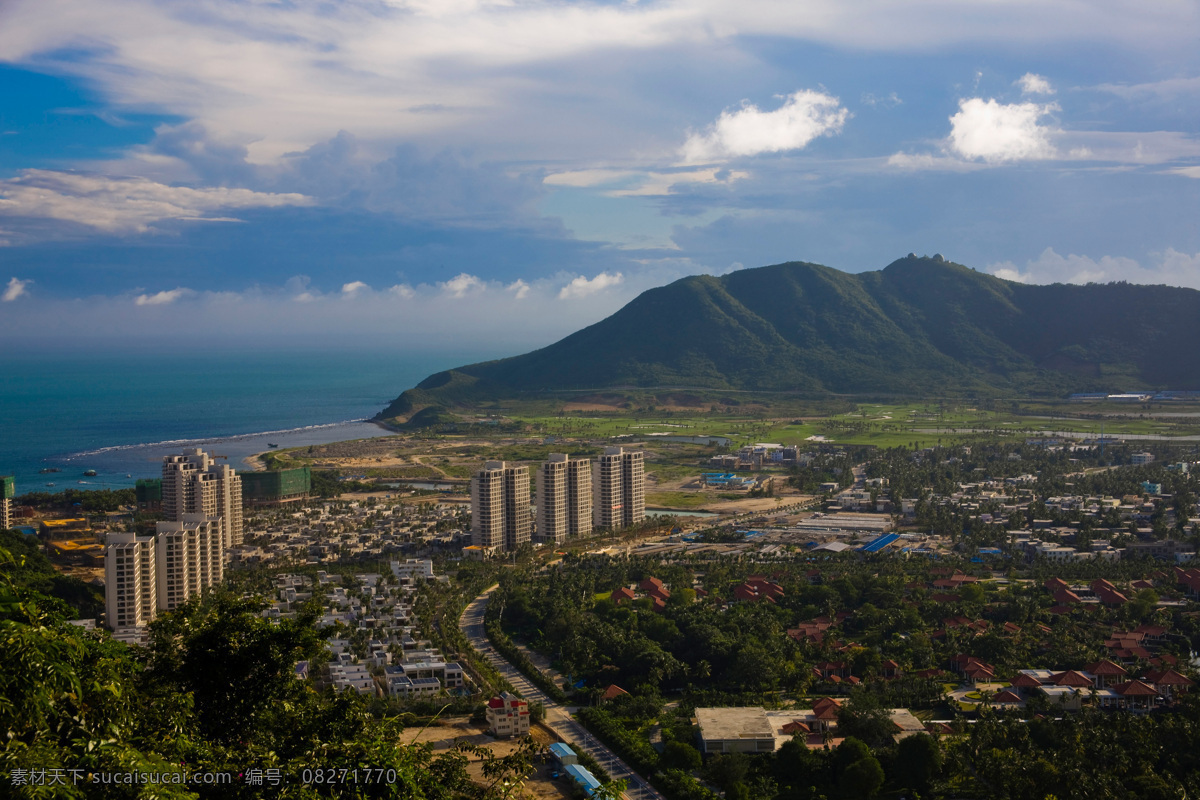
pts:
pixel 119 413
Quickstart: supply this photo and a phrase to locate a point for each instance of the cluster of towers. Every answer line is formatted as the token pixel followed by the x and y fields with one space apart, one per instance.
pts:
pixel 202 503
pixel 573 497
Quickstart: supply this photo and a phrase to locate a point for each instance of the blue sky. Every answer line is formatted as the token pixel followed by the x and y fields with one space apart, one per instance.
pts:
pixel 431 172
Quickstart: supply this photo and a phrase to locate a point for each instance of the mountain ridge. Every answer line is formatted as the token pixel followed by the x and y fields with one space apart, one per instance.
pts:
pixel 919 326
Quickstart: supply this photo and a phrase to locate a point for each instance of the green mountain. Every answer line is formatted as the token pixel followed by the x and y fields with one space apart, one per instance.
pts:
pixel 919 327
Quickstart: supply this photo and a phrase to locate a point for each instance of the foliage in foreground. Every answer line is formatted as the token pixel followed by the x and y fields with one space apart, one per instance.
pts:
pixel 215 692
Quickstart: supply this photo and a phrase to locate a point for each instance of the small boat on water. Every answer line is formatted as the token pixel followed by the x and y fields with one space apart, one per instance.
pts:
pixel 272 444
pixel 89 473
pixel 49 484
pixel 47 470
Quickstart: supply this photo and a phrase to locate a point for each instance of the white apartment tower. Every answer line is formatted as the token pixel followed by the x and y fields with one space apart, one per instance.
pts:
pixel 619 489
pixel 189 558
pixel 564 498
pixel 500 516
pixel 7 490
pixel 130 580
pixel 193 483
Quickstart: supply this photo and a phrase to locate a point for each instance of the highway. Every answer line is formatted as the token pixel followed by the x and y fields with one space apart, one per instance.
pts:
pixel 558 718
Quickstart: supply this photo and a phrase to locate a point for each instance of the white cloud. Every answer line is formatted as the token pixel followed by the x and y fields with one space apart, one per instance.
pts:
pixel 749 131
pixel 424 315
pixel 997 133
pixel 582 287
pixel 887 101
pixel 1031 83
pixel 460 284
pixel 520 289
pixel 124 205
pixel 15 288
pixel 1169 267
pixel 1187 172
pixel 636 183
pixel 161 298
pixel 353 288
pixel 929 161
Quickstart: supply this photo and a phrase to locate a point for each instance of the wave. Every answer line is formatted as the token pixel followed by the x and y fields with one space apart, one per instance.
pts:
pixel 209 439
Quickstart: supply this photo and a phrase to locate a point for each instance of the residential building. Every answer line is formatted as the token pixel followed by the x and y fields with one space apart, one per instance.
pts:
pixel 508 715
pixel 7 490
pixel 413 570
pixel 1141 459
pixel 564 498
pixel 193 483
pixel 619 489
pixel 189 558
pixel 500 513
pixel 130 580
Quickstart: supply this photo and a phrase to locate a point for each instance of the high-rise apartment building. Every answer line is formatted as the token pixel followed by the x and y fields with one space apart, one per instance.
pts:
pixel 7 490
pixel 147 574
pixel 633 487
pixel 193 483
pixel 202 502
pixel 619 489
pixel 130 580
pixel 189 558
pixel 564 498
pixel 500 515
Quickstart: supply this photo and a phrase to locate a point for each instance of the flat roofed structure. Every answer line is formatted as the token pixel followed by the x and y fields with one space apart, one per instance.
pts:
pixel 735 730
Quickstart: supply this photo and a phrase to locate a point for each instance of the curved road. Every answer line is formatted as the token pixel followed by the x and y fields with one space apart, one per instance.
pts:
pixel 558 718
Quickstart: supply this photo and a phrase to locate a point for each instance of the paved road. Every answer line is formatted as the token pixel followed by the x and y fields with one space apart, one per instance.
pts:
pixel 558 718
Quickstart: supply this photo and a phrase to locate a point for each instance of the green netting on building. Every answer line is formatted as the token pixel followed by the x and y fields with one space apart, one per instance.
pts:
pixel 8 488
pixel 148 490
pixel 277 484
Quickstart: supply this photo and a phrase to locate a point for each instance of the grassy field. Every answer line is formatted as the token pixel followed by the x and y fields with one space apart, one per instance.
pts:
pixel 683 500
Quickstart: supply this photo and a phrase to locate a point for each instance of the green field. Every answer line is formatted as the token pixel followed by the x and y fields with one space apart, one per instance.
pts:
pixel 684 500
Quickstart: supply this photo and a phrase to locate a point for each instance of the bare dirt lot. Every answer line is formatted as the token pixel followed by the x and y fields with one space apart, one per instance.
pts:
pixel 538 785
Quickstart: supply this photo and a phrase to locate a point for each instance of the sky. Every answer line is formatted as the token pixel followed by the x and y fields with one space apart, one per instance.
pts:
pixel 441 174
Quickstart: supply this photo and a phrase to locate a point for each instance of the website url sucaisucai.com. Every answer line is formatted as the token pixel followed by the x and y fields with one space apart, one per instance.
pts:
pixel 76 777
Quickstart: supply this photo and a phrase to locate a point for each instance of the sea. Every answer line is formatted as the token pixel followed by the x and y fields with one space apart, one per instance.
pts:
pixel 120 413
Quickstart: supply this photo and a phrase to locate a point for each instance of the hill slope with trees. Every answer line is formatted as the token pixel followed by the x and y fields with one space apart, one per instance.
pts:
pixel 920 326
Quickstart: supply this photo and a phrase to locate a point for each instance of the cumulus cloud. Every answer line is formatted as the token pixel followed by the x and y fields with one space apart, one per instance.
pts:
pixel 15 288
pixel 353 288
pixel 291 74
pixel 582 287
pixel 460 284
pixel 750 131
pixel 161 298
pixel 520 289
pixel 997 133
pixel 1031 83
pixel 124 205
pixel 1169 267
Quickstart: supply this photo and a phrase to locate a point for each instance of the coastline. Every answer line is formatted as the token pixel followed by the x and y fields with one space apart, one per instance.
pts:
pixel 254 462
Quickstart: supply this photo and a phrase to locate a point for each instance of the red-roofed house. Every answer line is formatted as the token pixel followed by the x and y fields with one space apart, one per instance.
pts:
pixel 508 715
pixel 1072 678
pixel 622 595
pixel 1025 681
pixel 1106 673
pixel 1169 682
pixel 612 693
